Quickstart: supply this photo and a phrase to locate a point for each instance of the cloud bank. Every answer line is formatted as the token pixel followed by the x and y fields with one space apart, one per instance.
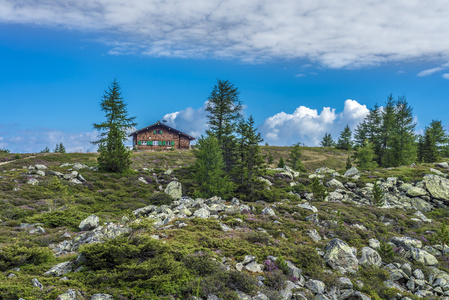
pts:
pixel 190 121
pixel 36 139
pixel 336 34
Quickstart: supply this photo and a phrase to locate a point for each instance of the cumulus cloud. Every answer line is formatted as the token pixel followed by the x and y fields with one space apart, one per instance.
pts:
pixel 189 120
pixel 336 34
pixel 432 70
pixel 36 139
pixel 306 125
pixel 445 76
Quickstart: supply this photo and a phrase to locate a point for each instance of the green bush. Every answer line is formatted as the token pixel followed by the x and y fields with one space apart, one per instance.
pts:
pixel 201 264
pixel 161 199
pixel 308 260
pixel 14 255
pixel 69 218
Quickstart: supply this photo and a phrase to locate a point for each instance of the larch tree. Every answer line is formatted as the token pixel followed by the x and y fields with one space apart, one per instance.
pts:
pixel 345 142
pixel 327 140
pixel 114 156
pixel 294 158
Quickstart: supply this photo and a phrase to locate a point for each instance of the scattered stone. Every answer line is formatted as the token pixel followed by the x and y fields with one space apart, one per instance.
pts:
pixel 141 179
pixel 40 167
pixel 423 257
pixel 309 207
pixel 33 181
pixel 202 213
pixel 36 283
pixel 373 243
pixel 438 172
pixel 406 242
pixel 443 165
pixel 71 295
pixel 324 170
pixel 370 258
pixel 254 267
pixel 334 183
pixel 89 223
pixel 101 297
pixel 268 211
pixel 437 186
pixel 79 166
pixel 60 269
pixel 423 217
pixel 339 256
pixel 345 283
pixel 313 234
pixel 351 172
pixel 316 286
pixel 416 192
pixel 174 189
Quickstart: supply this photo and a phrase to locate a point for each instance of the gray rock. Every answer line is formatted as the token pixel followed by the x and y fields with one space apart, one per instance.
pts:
pixel 268 211
pixel 395 273
pixel 437 186
pixel 324 170
pixel 293 270
pixel 225 227
pixel 423 217
pixel 438 172
pixel 36 283
pixel 411 284
pixel 394 285
pixel 89 223
pixel 60 269
pixel 40 173
pixel 316 286
pixel 65 165
pixel 373 243
pixel 79 166
pixel 424 294
pixel 339 256
pixel 416 192
pixel 308 207
pixel 314 235
pixel 75 181
pixel 418 274
pixel 254 267
pixel 443 165
pixel 344 283
pixel 202 213
pixel 370 258
pixel 33 181
pixel 101 297
pixel 423 257
pixel 351 172
pixel 12 275
pixel 141 179
pixel 248 258
pixel 406 242
pixel 174 189
pixel 40 167
pixel 407 269
pixel 334 183
pixel 71 295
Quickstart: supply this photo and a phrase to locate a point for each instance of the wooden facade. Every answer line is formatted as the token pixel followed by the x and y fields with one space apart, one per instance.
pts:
pixel 160 137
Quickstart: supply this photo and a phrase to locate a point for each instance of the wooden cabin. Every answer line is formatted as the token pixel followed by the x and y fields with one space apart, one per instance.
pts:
pixel 160 137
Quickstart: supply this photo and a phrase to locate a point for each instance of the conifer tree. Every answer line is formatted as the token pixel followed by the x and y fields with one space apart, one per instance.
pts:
pixel 348 163
pixel 209 169
pixel 327 140
pixel 365 157
pixel 378 195
pixel 224 109
pixel 56 150
pixel 281 163
pixel 61 148
pixel 270 158
pixel 251 163
pixel 45 150
pixel 344 142
pixel 294 158
pixel 114 156
pixel 319 191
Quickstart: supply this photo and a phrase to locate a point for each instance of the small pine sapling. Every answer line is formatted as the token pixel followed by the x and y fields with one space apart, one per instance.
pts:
pixel 348 163
pixel 318 190
pixel 386 250
pixel 281 163
pixel 442 236
pixel 269 158
pixel 378 195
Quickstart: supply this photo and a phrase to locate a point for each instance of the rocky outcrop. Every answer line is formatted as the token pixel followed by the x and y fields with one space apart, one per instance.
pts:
pixel 437 186
pixel 89 223
pixel 339 256
pixel 174 189
pixel 370 258
pixel 71 295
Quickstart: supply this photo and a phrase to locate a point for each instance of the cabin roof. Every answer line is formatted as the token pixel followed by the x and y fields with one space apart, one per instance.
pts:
pixel 164 126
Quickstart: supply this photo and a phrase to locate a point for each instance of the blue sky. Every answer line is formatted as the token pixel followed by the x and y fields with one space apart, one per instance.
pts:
pixel 302 68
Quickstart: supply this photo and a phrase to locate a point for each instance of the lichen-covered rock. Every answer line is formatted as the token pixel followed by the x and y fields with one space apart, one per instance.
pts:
pixel 437 186
pixel 314 235
pixel 268 211
pixel 344 283
pixel 334 183
pixel 40 167
pixel 71 295
pixel 174 189
pixel 443 165
pixel 91 222
pixel 406 242
pixel 101 297
pixel 36 283
pixel 423 257
pixel 254 267
pixel 324 170
pixel 351 172
pixel 308 206
pixel 60 269
pixel 33 181
pixel 203 213
pixel 339 256
pixel 416 192
pixel 316 286
pixel 370 258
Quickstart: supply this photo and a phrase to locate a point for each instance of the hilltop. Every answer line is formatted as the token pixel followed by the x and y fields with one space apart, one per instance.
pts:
pixel 73 232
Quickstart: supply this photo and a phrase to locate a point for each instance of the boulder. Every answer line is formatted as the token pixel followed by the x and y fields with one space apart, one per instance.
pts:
pixel 254 267
pixel 370 258
pixel 36 283
pixel 438 172
pixel 443 165
pixel 308 206
pixel 416 192
pixel 316 286
pixel 268 211
pixel 423 257
pixel 324 170
pixel 334 183
pixel 79 166
pixel 406 242
pixel 344 283
pixel 314 235
pixel 437 186
pixel 33 181
pixel 60 269
pixel 174 189
pixel 89 223
pixel 202 213
pixel 339 256
pixel 40 167
pixel 374 243
pixel 101 297
pixel 351 172
pixel 70 295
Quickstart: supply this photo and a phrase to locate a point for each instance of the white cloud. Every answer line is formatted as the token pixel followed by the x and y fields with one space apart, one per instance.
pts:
pixel 191 121
pixel 36 139
pixel 307 126
pixel 336 34
pixel 445 76
pixel 432 70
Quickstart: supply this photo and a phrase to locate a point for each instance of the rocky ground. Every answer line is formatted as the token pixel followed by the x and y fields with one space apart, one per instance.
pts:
pixel 294 247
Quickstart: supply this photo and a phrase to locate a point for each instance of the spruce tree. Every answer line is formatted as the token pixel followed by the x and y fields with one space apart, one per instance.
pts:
pixel 344 142
pixel 348 163
pixel 365 157
pixel 319 191
pixel 327 140
pixel 114 156
pixel 281 163
pixel 56 150
pixel 378 195
pixel 209 169
pixel 270 158
pixel 61 148
pixel 224 109
pixel 251 163
pixel 294 158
